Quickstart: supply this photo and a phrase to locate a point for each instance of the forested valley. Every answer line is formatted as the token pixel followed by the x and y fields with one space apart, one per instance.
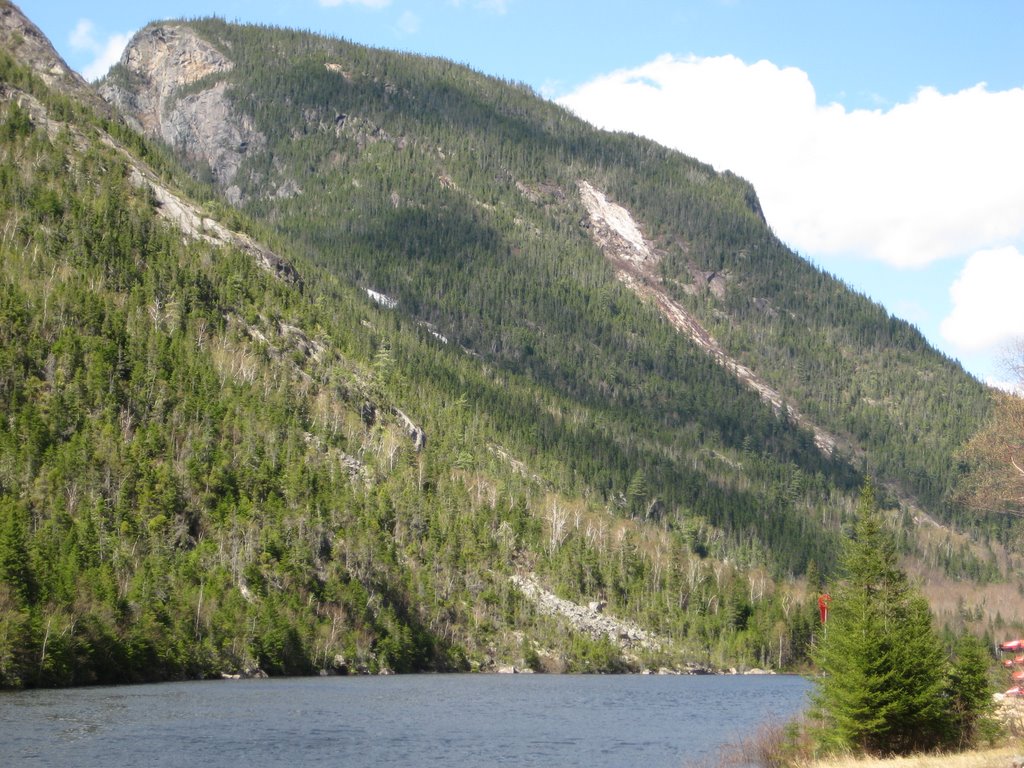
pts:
pixel 325 406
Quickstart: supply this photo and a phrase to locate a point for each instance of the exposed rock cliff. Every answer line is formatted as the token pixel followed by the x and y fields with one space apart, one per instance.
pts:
pixel 193 223
pixel 25 40
pixel 193 59
pixel 157 65
pixel 614 230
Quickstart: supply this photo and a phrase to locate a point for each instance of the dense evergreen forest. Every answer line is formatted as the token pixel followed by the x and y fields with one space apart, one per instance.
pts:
pixel 206 468
pixel 454 193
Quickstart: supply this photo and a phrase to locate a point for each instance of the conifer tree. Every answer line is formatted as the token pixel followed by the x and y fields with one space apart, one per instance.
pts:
pixel 15 570
pixel 970 695
pixel 883 666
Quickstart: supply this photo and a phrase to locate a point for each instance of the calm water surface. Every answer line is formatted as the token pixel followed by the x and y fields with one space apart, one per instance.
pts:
pixel 455 721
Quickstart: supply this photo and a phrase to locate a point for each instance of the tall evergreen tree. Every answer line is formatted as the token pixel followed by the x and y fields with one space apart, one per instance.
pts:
pixel 883 666
pixel 15 570
pixel 970 694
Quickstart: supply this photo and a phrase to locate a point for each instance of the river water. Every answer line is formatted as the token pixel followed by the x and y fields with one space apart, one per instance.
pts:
pixel 454 721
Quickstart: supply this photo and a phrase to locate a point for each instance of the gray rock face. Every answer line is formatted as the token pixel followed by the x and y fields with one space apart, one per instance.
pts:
pixel 158 63
pixel 205 124
pixel 193 223
pixel 29 45
pixel 587 619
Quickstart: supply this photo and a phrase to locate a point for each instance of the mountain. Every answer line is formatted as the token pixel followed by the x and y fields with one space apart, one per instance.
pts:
pixel 322 357
pixel 36 53
pixel 471 202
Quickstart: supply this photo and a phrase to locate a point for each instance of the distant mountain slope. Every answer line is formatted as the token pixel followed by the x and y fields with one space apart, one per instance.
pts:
pixel 35 51
pixel 214 461
pixel 396 405
pixel 458 195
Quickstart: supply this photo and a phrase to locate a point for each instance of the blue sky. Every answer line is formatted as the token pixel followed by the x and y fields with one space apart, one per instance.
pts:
pixel 882 137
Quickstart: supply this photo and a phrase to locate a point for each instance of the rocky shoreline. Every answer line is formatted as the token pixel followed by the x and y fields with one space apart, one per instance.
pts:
pixel 255 673
pixel 589 619
pixel 629 636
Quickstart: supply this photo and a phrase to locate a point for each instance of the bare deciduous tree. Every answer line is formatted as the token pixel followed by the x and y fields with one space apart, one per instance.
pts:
pixel 995 455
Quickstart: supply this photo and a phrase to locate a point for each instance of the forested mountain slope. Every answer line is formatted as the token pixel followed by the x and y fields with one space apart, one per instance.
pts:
pixel 367 416
pixel 458 196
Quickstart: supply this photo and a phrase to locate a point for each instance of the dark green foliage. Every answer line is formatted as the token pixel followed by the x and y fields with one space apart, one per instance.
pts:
pixel 969 693
pixel 883 668
pixel 164 511
pixel 203 469
pixel 15 567
pixel 455 193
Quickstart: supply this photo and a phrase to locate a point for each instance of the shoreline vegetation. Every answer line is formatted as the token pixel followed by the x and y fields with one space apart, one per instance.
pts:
pixel 788 745
pixel 888 686
pixel 769 748
pixel 996 757
pixel 1003 756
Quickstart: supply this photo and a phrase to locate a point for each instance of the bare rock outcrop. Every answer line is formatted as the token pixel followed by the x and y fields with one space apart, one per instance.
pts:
pixel 620 238
pixel 191 220
pixel 158 63
pixel 32 48
pixel 588 619
pixel 371 415
pixel 614 229
pixel 412 429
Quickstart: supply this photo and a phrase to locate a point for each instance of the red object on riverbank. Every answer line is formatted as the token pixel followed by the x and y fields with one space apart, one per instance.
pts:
pixel 1016 676
pixel 823 602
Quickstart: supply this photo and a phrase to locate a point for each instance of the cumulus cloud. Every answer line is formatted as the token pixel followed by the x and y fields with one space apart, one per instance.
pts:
pixel 365 3
pixel 987 309
pixel 83 36
pixel 105 52
pixel 935 177
pixel 409 23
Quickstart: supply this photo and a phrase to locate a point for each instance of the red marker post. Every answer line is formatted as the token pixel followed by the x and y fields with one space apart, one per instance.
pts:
pixel 823 602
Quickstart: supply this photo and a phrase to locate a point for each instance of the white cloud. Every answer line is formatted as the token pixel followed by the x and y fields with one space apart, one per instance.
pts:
pixel 987 308
pixel 409 23
pixel 105 53
pixel 83 36
pixel 932 178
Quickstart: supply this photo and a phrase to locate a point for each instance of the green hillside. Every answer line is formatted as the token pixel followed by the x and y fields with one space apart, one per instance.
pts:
pixel 455 194
pixel 221 454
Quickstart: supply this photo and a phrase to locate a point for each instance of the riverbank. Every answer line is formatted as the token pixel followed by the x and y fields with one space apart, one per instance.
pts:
pixel 1009 755
pixel 771 747
pixel 1000 757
